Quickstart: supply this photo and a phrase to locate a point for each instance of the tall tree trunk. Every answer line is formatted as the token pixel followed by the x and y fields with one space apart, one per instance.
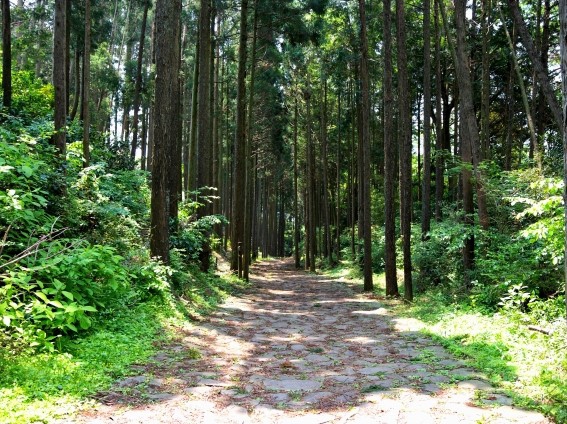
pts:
pixel 297 254
pixel 338 195
pixel 238 196
pixel 59 38
pixel 439 177
pixel 204 152
pixel 325 178
pixel 563 49
pixel 190 185
pixel 86 86
pixel 6 55
pixel 426 186
pixel 249 171
pixel 404 124
pixel 138 86
pixel 144 144
pixel 469 130
pixel 541 72
pixel 166 106
pixel 389 158
pixel 151 128
pixel 310 223
pixel 365 166
pixel 77 87
pixel 485 95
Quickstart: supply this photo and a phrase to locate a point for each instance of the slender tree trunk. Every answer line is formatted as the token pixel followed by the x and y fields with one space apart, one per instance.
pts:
pixel 204 117
pixel 310 225
pixel 192 174
pixel 326 217
pixel 295 192
pixel 405 148
pixel 59 76
pixel 485 95
pixel 365 166
pixel 439 178
pixel 151 132
pixel 249 186
pixel 138 86
pixel 563 49
pixel 6 55
pixel 144 144
pixel 389 158
pixel 86 86
pixel 239 199
pixel 338 195
pixel 541 72
pixel 426 186
pixel 77 94
pixel 166 106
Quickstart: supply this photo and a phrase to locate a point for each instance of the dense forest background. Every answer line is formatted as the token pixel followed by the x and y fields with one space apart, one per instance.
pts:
pixel 421 142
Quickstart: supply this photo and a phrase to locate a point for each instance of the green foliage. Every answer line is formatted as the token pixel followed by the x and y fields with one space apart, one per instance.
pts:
pixel 32 98
pixel 24 190
pixel 46 386
pixel 57 290
pixel 438 259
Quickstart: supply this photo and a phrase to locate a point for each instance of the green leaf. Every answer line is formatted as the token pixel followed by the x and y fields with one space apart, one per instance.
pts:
pixel 56 303
pixel 84 322
pixel 26 170
pixel 6 320
pixel 72 327
pixel 42 296
pixel 68 295
pixel 89 308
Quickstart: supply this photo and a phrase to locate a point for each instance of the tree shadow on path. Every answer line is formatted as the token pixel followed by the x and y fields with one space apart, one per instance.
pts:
pixel 302 348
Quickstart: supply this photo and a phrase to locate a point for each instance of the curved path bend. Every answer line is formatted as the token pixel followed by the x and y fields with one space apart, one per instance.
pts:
pixel 297 348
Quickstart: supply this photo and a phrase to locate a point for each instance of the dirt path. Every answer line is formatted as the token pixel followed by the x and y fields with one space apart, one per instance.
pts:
pixel 298 348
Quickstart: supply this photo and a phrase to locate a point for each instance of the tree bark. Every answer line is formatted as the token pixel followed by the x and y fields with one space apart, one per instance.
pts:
pixel 405 142
pixel 324 172
pixel 166 106
pixel 249 171
pixel 365 168
pixel 238 196
pixel 563 50
pixel 389 158
pixel 204 153
pixel 138 86
pixel 59 76
pixel 297 254
pixel 439 163
pixel 310 225
pixel 86 86
pixel 426 186
pixel 6 55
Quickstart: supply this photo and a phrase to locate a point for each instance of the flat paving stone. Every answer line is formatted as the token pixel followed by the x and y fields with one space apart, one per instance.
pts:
pixel 292 384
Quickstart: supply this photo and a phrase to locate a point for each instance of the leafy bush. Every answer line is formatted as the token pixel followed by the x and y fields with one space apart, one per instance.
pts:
pixel 438 260
pixel 32 98
pixel 58 289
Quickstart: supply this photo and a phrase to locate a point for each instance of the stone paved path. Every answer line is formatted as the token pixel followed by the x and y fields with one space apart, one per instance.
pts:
pixel 304 349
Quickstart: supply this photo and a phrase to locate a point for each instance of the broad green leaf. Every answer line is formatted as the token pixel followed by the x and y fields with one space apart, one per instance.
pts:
pixel 6 320
pixel 68 295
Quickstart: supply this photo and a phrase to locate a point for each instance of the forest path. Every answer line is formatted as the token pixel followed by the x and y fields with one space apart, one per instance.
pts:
pixel 299 348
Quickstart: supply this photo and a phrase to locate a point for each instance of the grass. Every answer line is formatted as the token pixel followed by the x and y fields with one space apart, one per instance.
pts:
pixel 529 366
pixel 45 387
